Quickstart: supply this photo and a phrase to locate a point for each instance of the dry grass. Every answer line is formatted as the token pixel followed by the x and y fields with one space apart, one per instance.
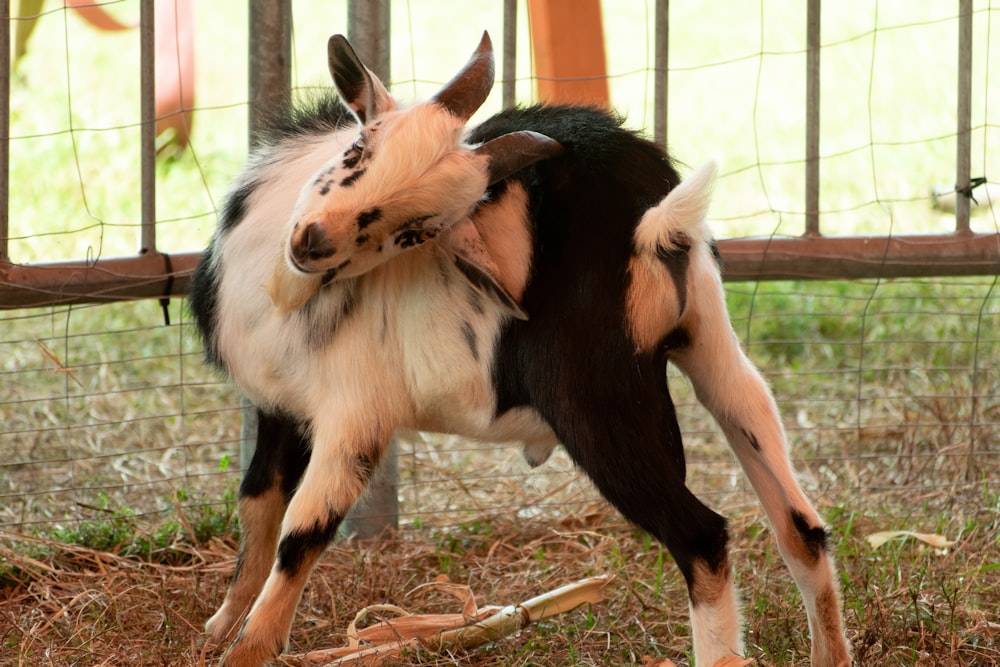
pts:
pixel 906 603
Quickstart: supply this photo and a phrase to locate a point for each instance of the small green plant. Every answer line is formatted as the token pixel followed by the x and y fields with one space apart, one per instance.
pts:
pixel 183 526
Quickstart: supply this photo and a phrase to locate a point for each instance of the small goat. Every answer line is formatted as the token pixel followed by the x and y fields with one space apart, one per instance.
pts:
pixel 382 267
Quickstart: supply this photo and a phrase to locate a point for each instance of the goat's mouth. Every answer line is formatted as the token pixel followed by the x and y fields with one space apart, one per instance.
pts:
pixel 329 274
pixel 300 265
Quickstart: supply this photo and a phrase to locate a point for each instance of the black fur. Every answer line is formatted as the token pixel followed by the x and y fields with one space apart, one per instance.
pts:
pixel 280 457
pixel 677 260
pixel 297 546
pixel 814 538
pixel 573 360
pixel 366 218
pixel 350 179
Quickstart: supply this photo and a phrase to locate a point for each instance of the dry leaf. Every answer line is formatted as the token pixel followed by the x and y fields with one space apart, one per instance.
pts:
pixel 60 366
pixel 730 661
pixel 650 661
pixel 438 632
pixel 937 541
pixel 734 661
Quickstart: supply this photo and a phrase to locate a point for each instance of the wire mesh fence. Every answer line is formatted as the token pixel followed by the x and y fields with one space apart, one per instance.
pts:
pixel 889 387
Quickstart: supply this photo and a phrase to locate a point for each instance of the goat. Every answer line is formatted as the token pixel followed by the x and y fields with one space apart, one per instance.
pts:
pixel 380 267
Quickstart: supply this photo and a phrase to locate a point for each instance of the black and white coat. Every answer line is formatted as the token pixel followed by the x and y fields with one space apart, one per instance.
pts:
pixel 382 267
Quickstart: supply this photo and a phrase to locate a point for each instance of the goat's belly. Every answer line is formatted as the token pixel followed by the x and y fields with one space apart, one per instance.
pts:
pixel 266 382
pixel 522 425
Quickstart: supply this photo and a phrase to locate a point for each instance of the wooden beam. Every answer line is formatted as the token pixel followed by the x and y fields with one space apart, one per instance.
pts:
pixel 567 40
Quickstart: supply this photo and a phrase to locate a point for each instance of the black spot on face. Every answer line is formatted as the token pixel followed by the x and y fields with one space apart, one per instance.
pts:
pixel 325 181
pixel 332 273
pixel 413 237
pixel 351 161
pixel 366 218
pixel 351 178
pixel 361 239
pixel 356 153
pixel 412 232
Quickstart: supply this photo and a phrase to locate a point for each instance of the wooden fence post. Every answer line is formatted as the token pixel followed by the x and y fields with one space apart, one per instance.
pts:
pixel 567 38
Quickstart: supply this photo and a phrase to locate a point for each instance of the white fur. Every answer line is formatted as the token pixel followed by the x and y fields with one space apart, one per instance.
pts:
pixel 716 629
pixel 680 211
pixel 732 389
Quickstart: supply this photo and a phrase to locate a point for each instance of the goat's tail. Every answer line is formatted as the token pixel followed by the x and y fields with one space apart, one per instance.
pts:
pixel 677 219
pixel 670 239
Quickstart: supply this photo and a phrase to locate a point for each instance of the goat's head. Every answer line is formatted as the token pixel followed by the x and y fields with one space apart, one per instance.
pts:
pixel 407 178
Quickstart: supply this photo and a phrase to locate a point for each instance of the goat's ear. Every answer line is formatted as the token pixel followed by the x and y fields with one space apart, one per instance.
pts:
pixel 466 92
pixel 358 86
pixel 473 258
pixel 514 151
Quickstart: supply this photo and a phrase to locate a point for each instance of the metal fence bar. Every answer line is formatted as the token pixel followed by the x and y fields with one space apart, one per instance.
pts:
pixel 368 24
pixel 5 64
pixel 270 55
pixel 147 110
pixel 102 281
pixel 812 117
pixel 509 82
pixel 850 257
pixel 963 156
pixel 805 258
pixel 661 61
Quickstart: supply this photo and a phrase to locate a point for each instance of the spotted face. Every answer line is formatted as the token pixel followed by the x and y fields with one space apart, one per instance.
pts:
pixel 406 179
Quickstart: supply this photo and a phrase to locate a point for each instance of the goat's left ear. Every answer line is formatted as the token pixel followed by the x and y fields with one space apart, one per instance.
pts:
pixel 358 86
pixel 512 152
pixel 504 156
pixel 474 259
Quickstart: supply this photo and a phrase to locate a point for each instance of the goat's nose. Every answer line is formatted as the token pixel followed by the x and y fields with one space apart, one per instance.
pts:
pixel 310 243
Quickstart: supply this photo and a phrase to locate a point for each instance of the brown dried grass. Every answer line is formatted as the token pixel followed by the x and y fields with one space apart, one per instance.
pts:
pixel 906 603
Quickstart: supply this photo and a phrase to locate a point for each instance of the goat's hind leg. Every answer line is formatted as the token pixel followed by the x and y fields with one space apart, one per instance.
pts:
pixel 631 448
pixel 727 383
pixel 279 459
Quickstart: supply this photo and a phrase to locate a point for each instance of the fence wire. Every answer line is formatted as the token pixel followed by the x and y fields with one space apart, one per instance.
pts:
pixel 889 388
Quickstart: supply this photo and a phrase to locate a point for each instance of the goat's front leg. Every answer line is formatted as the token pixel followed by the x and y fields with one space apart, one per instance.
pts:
pixel 727 383
pixel 341 465
pixel 279 459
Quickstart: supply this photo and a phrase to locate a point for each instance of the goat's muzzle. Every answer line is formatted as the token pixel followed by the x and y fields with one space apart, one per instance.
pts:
pixel 309 246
